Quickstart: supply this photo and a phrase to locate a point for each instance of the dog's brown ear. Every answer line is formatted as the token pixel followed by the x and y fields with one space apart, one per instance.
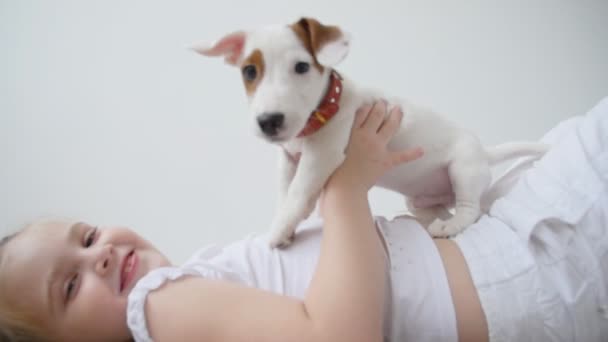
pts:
pixel 328 44
pixel 230 46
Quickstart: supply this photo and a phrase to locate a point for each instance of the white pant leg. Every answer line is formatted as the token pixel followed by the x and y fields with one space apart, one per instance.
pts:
pixel 539 258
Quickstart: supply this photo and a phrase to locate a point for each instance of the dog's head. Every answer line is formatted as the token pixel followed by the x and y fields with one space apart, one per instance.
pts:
pixel 285 70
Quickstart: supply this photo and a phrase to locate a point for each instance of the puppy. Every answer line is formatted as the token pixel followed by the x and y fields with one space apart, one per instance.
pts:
pixel 301 103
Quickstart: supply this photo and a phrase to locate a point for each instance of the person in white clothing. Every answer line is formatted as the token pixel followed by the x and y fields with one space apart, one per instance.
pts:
pixel 533 268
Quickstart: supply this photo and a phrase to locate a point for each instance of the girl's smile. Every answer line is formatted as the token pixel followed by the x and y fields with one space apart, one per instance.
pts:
pixel 72 269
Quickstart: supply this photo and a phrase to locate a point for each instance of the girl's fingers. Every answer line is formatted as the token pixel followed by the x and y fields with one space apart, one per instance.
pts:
pixel 361 115
pixel 376 116
pixel 391 124
pixel 407 155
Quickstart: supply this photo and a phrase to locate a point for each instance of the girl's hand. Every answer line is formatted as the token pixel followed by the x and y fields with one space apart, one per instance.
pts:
pixel 367 155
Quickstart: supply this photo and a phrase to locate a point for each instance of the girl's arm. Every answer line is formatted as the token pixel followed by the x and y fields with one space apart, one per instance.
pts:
pixel 346 296
pixel 352 269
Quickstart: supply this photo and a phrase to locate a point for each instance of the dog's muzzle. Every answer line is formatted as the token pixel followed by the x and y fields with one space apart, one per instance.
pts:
pixel 271 123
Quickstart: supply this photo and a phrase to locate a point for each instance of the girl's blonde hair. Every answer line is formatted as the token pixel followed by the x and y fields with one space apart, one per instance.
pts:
pixel 17 325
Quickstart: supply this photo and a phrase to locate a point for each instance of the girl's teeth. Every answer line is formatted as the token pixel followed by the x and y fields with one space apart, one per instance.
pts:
pixel 129 264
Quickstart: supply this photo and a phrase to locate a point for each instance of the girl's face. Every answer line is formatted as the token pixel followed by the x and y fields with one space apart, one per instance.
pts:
pixel 77 277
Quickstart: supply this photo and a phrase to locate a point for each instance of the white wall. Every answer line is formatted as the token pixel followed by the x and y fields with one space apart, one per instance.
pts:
pixel 105 116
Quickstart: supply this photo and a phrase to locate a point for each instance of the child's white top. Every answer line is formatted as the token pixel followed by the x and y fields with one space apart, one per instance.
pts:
pixel 419 296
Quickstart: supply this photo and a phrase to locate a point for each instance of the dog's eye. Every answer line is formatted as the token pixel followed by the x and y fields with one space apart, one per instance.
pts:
pixel 249 72
pixel 302 67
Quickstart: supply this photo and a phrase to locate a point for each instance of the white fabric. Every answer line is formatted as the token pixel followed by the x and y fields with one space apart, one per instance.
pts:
pixel 416 303
pixel 539 260
pixel 196 266
pixel 421 302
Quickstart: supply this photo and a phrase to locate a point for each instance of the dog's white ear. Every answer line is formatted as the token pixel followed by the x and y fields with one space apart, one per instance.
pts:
pixel 335 51
pixel 230 46
pixel 328 44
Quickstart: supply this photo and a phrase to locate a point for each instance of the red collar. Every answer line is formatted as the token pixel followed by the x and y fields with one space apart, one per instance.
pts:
pixel 327 109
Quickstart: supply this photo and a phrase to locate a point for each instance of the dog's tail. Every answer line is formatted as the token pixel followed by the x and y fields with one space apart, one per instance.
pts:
pixel 510 150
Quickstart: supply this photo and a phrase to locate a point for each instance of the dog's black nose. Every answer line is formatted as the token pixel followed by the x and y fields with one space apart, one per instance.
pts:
pixel 270 123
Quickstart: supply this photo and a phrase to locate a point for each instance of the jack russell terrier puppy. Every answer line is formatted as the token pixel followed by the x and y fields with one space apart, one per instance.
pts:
pixel 300 102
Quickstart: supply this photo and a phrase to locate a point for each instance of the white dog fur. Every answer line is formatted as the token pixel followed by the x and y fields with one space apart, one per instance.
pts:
pixel 454 171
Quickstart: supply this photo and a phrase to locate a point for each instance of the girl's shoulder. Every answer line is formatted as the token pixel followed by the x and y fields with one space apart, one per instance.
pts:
pixel 199 265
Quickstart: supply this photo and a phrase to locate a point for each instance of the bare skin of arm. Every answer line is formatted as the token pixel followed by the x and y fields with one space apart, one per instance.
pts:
pixel 345 300
pixel 470 318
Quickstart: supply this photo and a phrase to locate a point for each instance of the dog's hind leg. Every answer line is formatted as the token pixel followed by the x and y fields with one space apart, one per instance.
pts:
pixel 469 178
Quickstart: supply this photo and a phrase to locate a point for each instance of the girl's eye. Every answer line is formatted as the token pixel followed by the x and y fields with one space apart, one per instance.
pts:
pixel 90 238
pixel 302 67
pixel 71 286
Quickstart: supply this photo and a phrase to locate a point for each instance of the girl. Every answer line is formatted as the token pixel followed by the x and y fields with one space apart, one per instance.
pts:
pixel 534 268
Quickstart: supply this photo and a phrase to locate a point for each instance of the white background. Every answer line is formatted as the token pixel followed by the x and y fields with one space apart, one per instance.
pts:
pixel 106 117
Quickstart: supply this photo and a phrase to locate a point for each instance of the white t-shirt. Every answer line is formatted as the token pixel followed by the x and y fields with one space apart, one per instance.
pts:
pixel 419 306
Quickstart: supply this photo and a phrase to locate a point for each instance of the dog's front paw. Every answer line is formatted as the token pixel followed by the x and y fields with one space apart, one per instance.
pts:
pixel 446 228
pixel 282 234
pixel 285 223
pixel 281 240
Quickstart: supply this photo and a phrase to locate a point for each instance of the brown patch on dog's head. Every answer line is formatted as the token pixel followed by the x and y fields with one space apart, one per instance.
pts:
pixel 314 36
pixel 252 70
